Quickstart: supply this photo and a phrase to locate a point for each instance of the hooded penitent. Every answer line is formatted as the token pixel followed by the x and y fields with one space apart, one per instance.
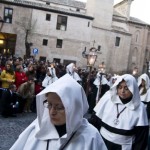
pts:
pixel 53 73
pixel 112 80
pixel 73 97
pixel 145 97
pixel 50 79
pixel 71 72
pixel 146 79
pixel 99 82
pixel 124 125
pixel 100 79
pixel 132 86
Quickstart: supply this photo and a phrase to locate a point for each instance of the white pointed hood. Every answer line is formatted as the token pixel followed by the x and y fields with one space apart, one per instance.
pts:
pixel 111 80
pixel 132 86
pixel 101 77
pixel 71 72
pixel 146 79
pixel 70 69
pixel 74 100
pixel 52 71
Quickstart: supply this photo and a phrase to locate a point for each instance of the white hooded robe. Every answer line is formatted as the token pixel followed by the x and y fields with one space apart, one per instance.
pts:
pixel 36 135
pixel 131 131
pixel 72 73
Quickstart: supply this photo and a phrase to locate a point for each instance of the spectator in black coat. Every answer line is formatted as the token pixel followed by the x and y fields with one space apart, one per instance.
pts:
pixel 8 101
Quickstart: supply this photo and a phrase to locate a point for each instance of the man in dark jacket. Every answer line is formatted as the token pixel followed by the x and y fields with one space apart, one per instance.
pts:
pixel 8 102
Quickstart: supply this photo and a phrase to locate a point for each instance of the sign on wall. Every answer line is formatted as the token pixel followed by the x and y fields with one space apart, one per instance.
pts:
pixel 35 51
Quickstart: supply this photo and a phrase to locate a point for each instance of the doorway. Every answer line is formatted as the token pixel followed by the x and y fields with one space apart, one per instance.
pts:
pixel 7 44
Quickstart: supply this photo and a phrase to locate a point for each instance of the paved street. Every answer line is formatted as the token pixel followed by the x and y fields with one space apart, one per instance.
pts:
pixel 10 128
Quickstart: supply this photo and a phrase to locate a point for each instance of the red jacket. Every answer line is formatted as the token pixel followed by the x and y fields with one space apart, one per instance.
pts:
pixel 20 78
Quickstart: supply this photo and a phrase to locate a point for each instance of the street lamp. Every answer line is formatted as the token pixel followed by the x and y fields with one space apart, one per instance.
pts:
pixel 91 59
pixel 100 74
pixel 102 67
pixel 135 72
pixel 91 56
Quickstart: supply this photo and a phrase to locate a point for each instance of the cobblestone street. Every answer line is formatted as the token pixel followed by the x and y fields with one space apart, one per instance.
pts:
pixel 10 128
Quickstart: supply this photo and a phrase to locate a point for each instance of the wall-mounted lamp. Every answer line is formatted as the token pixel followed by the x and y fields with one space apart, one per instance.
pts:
pixel 1 41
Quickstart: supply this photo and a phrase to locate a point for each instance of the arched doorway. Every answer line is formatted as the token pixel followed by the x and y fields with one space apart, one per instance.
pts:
pixel 7 44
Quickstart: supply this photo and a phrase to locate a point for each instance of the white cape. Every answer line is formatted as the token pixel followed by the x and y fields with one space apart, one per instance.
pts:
pixel 41 130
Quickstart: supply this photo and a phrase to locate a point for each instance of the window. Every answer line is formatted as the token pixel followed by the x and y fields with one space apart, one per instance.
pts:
pixel 45 42
pixel 61 23
pixel 59 43
pixel 47 3
pixel 99 48
pixel 88 23
pixel 48 17
pixel 77 9
pixel 67 62
pixel 56 60
pixel 117 41
pixel 137 36
pixel 8 12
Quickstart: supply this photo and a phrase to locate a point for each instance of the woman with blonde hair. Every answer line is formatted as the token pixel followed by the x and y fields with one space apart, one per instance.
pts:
pixel 7 76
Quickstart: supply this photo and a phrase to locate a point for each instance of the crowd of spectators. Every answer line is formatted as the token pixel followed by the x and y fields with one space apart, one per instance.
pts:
pixel 31 76
pixel 27 75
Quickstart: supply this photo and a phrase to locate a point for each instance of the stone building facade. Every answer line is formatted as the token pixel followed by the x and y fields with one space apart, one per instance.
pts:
pixel 61 29
pixel 139 55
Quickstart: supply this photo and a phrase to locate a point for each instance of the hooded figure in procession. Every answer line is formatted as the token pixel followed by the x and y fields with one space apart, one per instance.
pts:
pixel 102 85
pixel 50 77
pixel 144 88
pixel 121 116
pixel 60 124
pixel 70 69
pixel 52 71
